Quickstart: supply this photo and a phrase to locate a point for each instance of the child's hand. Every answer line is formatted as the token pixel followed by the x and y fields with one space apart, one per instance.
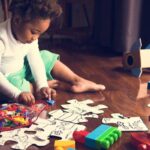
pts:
pixel 47 93
pixel 26 98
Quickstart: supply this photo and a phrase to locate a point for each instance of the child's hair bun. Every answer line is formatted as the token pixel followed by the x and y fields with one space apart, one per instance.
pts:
pixel 31 9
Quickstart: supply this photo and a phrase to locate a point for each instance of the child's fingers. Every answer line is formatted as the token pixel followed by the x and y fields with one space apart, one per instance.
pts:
pixel 46 93
pixel 50 93
pixel 30 99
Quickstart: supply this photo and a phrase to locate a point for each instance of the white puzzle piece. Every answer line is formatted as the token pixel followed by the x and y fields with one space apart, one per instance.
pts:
pixel 82 107
pixel 127 124
pixel 23 139
pixel 70 117
pixel 58 128
pixel 118 116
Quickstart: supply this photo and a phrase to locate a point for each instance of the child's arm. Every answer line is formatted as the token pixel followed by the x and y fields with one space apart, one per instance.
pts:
pixel 37 66
pixel 39 73
pixel 5 86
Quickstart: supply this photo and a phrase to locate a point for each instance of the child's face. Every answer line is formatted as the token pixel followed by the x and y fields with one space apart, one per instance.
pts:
pixel 30 31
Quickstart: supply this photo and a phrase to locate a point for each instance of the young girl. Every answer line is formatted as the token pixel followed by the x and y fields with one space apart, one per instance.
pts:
pixel 24 70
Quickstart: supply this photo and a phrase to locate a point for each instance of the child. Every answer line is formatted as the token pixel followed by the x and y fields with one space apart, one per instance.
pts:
pixel 24 70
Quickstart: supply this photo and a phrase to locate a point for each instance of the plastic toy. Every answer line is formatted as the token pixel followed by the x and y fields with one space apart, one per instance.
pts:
pixel 64 145
pixel 102 137
pixel 50 102
pixel 15 115
pixel 141 140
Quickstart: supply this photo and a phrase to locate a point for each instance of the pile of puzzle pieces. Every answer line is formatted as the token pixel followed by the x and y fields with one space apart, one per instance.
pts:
pixel 65 124
pixel 61 123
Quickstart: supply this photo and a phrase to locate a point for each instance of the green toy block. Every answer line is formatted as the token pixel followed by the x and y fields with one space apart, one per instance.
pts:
pixel 108 138
pixel 102 137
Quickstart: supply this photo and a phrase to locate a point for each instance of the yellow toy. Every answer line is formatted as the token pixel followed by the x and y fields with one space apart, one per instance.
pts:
pixel 21 120
pixel 64 145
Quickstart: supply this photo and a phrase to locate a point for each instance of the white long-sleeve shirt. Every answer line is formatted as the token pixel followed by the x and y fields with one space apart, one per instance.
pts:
pixel 12 53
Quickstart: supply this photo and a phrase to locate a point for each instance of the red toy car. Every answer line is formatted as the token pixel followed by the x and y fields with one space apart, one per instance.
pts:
pixel 141 140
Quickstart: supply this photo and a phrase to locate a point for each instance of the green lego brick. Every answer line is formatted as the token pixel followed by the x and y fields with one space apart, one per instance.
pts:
pixel 108 138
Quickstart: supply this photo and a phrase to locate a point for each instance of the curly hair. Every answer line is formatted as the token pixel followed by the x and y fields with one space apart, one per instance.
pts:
pixel 31 9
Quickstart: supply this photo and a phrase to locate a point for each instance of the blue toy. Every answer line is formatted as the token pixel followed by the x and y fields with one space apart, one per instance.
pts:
pixel 50 102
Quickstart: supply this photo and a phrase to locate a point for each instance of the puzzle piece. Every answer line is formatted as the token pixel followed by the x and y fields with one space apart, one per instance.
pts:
pixel 58 128
pixel 118 116
pixel 81 107
pixel 23 139
pixel 71 117
pixel 126 124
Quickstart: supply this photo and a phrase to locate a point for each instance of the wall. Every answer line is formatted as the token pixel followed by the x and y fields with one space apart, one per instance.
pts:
pixel 117 23
pixel 79 15
pixel 145 23
pixel 1 13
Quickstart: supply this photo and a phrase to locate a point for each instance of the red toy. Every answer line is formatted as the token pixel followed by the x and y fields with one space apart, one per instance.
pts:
pixel 16 115
pixel 141 140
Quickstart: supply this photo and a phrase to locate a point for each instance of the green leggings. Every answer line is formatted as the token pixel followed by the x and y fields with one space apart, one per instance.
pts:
pixel 24 77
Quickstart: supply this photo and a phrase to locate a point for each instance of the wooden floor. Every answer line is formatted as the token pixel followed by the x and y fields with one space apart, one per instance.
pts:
pixel 124 93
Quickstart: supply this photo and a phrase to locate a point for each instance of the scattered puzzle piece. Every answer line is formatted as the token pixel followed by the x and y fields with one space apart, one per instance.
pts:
pixel 58 128
pixel 71 117
pixel 82 107
pixel 148 105
pixel 23 139
pixel 127 124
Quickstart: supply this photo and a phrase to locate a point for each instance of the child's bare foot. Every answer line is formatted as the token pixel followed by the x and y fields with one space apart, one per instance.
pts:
pixel 79 86
pixel 84 85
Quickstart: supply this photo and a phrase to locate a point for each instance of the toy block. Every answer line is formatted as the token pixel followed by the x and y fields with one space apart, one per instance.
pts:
pixel 50 102
pixel 102 137
pixel 141 140
pixel 91 138
pixel 108 138
pixel 64 145
pixel 79 136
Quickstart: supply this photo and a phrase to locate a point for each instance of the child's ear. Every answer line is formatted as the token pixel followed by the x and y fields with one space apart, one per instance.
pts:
pixel 17 20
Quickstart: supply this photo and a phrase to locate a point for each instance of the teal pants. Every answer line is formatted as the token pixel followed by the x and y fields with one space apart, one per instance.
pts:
pixel 24 77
